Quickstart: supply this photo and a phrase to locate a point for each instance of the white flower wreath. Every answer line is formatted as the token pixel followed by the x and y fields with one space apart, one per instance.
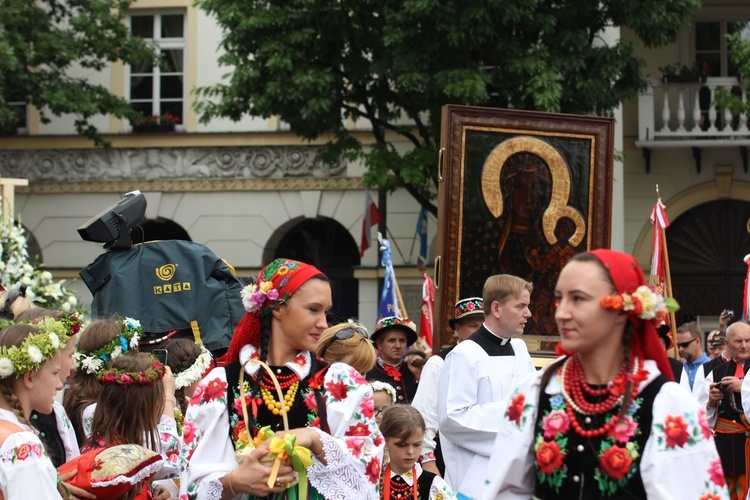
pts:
pixel 196 370
pixel 385 387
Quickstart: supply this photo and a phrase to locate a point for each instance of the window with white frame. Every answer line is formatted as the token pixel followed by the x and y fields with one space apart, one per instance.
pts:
pixel 160 90
pixel 711 44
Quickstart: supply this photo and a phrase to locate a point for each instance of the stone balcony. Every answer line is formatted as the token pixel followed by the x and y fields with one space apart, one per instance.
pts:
pixel 684 115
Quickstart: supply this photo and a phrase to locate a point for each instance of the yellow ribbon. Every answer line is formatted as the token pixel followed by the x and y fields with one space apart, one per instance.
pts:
pixel 299 457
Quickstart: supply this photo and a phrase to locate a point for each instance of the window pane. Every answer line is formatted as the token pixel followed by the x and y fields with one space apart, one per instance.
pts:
pixel 141 67
pixel 707 36
pixel 144 108
pixel 20 111
pixel 142 87
pixel 172 107
pixel 172 60
pixel 172 26
pixel 713 60
pixel 142 26
pixel 171 87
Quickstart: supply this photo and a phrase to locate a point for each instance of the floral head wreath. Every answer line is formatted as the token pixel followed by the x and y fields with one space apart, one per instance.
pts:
pixel 72 321
pixel 278 281
pixel 196 370
pixel 36 348
pixel 385 387
pixel 127 340
pixel 644 303
pixel 147 377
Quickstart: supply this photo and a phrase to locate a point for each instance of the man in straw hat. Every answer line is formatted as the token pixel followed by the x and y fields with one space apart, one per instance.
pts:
pixel 392 336
pixel 468 318
pixel 477 380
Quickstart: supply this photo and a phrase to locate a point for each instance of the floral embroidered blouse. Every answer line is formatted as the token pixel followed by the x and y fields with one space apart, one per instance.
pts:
pixel 353 444
pixel 662 448
pixel 25 469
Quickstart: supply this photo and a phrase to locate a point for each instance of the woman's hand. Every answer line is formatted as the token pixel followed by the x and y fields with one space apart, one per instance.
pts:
pixel 75 491
pixel 168 382
pixel 161 492
pixel 306 437
pixel 252 476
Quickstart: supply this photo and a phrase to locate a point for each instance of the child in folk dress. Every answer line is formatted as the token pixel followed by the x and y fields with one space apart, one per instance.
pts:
pixel 403 478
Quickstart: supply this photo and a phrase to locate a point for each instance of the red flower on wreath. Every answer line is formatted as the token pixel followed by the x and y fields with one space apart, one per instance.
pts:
pixel 515 409
pixel 675 429
pixel 214 390
pixel 616 462
pixel 549 457
pixel 337 390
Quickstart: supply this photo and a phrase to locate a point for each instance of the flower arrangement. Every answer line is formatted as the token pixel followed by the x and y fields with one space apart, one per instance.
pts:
pixel 196 370
pixel 162 119
pixel 127 340
pixel 35 349
pixel 644 303
pixel 16 270
pixel 125 379
pixel 698 69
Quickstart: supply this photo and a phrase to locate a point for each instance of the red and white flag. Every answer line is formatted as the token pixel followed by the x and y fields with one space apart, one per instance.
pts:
pixel 372 216
pixel 658 266
pixel 426 319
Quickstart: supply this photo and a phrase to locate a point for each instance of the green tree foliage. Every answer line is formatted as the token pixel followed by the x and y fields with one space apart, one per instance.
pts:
pixel 739 53
pixel 43 41
pixel 394 63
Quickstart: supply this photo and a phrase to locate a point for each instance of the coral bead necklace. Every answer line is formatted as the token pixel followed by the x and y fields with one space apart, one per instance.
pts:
pixel 399 489
pixel 267 389
pixel 573 385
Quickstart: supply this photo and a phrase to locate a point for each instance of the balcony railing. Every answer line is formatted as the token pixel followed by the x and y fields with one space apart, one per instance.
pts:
pixel 672 115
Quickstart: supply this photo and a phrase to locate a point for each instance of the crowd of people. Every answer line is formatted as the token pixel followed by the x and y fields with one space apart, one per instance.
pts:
pixel 298 408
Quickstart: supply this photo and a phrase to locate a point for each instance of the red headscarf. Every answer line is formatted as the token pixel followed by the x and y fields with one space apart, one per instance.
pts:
pixel 276 283
pixel 626 276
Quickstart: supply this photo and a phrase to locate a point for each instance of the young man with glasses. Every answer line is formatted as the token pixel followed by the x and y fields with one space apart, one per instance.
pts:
pixel 689 343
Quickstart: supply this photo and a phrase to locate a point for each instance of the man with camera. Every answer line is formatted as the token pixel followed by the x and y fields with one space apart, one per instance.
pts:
pixel 725 409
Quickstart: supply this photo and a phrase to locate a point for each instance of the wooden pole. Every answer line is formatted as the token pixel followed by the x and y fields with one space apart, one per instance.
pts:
pixel 400 299
pixel 669 293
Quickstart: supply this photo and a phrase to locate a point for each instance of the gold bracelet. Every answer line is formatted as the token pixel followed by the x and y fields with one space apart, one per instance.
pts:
pixel 229 480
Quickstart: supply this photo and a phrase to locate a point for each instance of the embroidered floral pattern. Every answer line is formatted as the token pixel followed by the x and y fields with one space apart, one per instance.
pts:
pixel 617 453
pixel 22 452
pixel 679 431
pixel 518 409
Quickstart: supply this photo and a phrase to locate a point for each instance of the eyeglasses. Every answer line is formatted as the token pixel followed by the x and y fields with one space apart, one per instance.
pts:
pixel 685 345
pixel 343 334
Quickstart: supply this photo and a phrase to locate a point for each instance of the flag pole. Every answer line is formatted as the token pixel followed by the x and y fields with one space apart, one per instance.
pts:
pixel 668 283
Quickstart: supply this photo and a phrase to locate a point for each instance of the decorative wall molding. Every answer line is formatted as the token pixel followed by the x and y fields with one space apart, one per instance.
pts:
pixel 197 185
pixel 152 164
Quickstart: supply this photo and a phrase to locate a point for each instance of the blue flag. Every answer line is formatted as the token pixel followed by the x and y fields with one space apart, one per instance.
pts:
pixel 422 232
pixel 388 298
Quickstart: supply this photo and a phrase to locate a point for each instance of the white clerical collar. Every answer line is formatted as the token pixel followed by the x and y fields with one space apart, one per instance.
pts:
pixel 503 340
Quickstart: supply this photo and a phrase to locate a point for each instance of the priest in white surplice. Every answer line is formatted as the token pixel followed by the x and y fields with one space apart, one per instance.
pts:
pixel 478 377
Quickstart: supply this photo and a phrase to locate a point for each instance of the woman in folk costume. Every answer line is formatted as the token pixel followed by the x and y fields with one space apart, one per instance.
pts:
pixel 330 409
pixel 605 420
pixel 29 379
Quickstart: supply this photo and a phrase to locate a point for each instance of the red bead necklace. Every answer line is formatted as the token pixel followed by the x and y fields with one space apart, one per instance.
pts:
pixel 572 381
pixel 396 490
pixel 284 380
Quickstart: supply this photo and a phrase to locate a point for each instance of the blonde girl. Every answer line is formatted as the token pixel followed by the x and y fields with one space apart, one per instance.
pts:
pixel 347 343
pixel 29 380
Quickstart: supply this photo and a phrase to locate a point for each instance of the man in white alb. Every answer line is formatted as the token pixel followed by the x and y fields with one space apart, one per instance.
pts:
pixel 478 377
